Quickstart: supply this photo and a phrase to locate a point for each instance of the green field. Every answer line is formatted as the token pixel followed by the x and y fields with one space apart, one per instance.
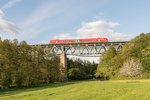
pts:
pixel 83 90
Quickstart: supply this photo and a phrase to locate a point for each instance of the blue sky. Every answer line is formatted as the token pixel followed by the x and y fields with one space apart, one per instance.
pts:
pixel 38 21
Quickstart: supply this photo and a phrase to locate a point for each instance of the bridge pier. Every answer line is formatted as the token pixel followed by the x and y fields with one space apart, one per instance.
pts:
pixel 63 69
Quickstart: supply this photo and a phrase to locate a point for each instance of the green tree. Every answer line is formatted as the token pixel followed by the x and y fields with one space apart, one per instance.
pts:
pixel 137 49
pixel 86 67
pixel 7 65
pixel 76 74
pixel 104 69
pixel 22 64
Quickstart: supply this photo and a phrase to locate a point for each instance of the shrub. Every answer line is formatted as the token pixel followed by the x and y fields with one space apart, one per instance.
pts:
pixel 131 68
pixel 77 74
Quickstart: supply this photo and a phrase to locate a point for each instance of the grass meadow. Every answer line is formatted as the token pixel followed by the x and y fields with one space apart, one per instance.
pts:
pixel 83 90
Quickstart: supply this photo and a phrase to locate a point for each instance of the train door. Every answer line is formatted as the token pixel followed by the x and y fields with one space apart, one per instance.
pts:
pixel 76 40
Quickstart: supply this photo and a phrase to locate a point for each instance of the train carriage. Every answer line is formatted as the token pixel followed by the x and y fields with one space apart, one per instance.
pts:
pixel 79 40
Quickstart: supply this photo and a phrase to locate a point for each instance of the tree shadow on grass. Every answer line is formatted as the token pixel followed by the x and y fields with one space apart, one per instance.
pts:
pixel 14 91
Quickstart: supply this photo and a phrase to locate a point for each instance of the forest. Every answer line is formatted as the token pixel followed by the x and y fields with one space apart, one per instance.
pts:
pixel 24 65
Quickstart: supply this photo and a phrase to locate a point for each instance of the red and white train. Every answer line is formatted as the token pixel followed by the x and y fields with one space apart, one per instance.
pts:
pixel 79 40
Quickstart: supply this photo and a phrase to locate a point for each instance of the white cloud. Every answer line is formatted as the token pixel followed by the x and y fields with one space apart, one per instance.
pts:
pixel 92 29
pixel 112 24
pixel 6 25
pixel 97 29
pixel 63 36
pixel 1 13
pixel 10 4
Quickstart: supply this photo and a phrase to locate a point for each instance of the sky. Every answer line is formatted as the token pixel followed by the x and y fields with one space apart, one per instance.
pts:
pixel 38 21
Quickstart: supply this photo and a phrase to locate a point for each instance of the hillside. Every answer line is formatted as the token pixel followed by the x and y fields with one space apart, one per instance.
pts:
pixel 132 61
